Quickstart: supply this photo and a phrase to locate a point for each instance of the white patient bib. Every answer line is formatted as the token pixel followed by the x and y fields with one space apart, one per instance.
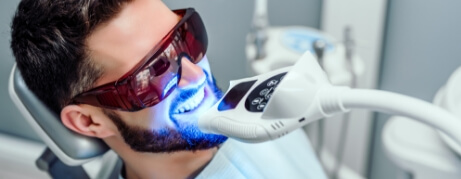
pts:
pixel 288 157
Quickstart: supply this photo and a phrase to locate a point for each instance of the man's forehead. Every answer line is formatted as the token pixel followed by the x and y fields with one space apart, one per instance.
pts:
pixel 123 41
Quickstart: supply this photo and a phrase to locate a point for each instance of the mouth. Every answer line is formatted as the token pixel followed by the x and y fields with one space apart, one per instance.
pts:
pixel 191 103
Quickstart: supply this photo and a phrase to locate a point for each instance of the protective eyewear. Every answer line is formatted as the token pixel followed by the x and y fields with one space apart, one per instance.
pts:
pixel 158 73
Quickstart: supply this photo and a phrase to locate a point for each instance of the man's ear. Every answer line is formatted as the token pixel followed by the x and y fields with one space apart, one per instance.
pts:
pixel 80 120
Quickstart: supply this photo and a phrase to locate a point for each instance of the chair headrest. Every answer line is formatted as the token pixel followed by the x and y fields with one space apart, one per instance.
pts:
pixel 70 147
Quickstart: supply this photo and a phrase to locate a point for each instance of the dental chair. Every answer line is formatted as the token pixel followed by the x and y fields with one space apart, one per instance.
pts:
pixel 420 149
pixel 68 154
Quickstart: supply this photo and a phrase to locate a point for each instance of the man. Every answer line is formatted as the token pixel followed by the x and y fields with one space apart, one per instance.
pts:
pixel 134 74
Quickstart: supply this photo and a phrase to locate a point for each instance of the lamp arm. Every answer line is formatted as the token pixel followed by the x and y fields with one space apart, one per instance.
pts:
pixel 397 104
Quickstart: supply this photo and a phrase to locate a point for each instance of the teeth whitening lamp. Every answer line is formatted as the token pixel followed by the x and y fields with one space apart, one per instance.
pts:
pixel 272 47
pixel 269 106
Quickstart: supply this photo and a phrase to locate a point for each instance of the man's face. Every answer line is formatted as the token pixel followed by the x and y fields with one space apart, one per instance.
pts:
pixel 170 125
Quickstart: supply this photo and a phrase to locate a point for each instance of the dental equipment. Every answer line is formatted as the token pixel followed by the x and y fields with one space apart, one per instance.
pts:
pixel 349 56
pixel 269 106
pixel 258 36
pixel 272 47
pixel 421 150
pixel 46 123
pixel 67 153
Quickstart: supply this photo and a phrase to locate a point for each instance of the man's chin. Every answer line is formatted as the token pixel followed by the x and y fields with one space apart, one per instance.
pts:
pixel 185 137
pixel 167 140
pixel 196 139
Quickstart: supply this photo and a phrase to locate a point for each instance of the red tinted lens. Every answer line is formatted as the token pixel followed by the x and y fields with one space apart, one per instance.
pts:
pixel 159 76
pixel 196 38
pixel 154 83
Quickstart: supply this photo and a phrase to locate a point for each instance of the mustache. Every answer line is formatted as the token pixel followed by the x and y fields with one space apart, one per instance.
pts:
pixel 185 94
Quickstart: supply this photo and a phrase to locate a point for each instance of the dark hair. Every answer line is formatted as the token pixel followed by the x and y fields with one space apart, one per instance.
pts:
pixel 49 44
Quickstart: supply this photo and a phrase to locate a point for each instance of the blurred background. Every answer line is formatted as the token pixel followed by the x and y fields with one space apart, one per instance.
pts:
pixel 409 47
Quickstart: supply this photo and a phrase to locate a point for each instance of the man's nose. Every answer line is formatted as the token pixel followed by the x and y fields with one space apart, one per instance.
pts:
pixel 191 74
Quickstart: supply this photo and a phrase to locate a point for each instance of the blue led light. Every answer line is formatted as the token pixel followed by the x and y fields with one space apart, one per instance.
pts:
pixel 190 131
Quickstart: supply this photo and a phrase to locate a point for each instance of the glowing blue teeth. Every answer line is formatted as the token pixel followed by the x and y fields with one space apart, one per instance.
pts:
pixel 192 103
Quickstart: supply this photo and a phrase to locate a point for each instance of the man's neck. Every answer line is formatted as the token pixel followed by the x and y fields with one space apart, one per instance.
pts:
pixel 183 164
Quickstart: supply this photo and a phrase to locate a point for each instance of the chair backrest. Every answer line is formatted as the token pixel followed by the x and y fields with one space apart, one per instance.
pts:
pixel 71 148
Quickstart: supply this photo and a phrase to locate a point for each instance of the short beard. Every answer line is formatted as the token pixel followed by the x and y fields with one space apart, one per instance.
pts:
pixel 186 136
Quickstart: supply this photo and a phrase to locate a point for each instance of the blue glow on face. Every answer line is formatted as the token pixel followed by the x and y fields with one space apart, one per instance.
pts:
pixel 184 95
pixel 185 135
pixel 170 85
pixel 196 138
pixel 189 130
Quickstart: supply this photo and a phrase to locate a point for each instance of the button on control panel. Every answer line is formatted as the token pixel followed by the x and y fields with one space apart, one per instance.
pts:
pixel 258 98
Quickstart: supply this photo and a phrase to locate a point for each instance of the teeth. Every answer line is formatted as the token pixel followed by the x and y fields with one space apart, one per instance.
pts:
pixel 192 102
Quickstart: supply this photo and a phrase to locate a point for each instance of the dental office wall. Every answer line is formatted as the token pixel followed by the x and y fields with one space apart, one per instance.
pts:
pixel 228 22
pixel 10 120
pixel 366 20
pixel 422 45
